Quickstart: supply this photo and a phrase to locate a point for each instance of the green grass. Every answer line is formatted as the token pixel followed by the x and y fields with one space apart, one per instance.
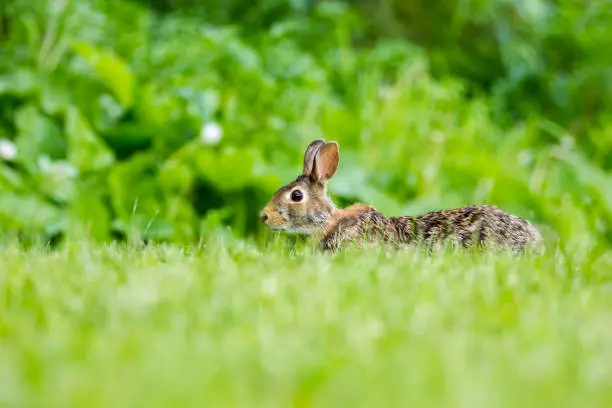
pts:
pixel 233 325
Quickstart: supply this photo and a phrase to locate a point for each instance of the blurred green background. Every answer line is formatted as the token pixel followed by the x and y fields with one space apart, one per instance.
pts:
pixel 170 119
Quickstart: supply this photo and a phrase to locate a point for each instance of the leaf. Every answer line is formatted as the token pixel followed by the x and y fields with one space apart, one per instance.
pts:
pixel 27 211
pixel 19 82
pixel 352 183
pixel 182 215
pixel 88 216
pixel 115 72
pixel 38 136
pixel 11 178
pixel 134 188
pixel 57 179
pixel 158 229
pixel 228 170
pixel 597 181
pixel 55 94
pixel 86 151
pixel 176 177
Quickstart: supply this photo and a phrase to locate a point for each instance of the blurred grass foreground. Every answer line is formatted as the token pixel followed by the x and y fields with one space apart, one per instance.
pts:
pixel 230 326
pixel 173 121
pixel 166 120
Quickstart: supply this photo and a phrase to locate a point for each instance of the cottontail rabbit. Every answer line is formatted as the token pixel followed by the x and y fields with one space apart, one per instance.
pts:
pixel 303 207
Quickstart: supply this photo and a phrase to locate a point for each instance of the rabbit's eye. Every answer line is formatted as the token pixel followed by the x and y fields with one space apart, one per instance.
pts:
pixel 297 196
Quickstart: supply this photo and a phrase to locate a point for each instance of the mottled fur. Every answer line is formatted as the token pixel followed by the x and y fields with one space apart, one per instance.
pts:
pixel 466 227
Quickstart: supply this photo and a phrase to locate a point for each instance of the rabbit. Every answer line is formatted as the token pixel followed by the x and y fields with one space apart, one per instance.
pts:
pixel 303 207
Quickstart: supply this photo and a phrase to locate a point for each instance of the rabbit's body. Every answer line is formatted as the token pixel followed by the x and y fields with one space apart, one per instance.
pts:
pixel 463 227
pixel 303 207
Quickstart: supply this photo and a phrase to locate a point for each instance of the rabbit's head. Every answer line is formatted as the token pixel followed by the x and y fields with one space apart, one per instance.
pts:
pixel 303 206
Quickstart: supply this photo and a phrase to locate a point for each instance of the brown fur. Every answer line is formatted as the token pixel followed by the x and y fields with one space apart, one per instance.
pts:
pixel 465 227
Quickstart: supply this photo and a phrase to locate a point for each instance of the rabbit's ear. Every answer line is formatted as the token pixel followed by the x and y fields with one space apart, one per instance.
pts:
pixel 326 162
pixel 309 156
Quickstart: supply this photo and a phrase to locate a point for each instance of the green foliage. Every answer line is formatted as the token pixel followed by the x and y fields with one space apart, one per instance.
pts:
pixel 166 119
pixel 536 57
pixel 228 325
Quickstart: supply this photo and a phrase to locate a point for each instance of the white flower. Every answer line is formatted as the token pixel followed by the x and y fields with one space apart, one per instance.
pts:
pixel 8 150
pixel 211 133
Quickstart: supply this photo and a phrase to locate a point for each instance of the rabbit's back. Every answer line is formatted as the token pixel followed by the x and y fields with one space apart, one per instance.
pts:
pixel 480 225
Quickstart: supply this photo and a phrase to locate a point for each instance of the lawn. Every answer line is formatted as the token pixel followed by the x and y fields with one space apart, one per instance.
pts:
pixel 234 324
